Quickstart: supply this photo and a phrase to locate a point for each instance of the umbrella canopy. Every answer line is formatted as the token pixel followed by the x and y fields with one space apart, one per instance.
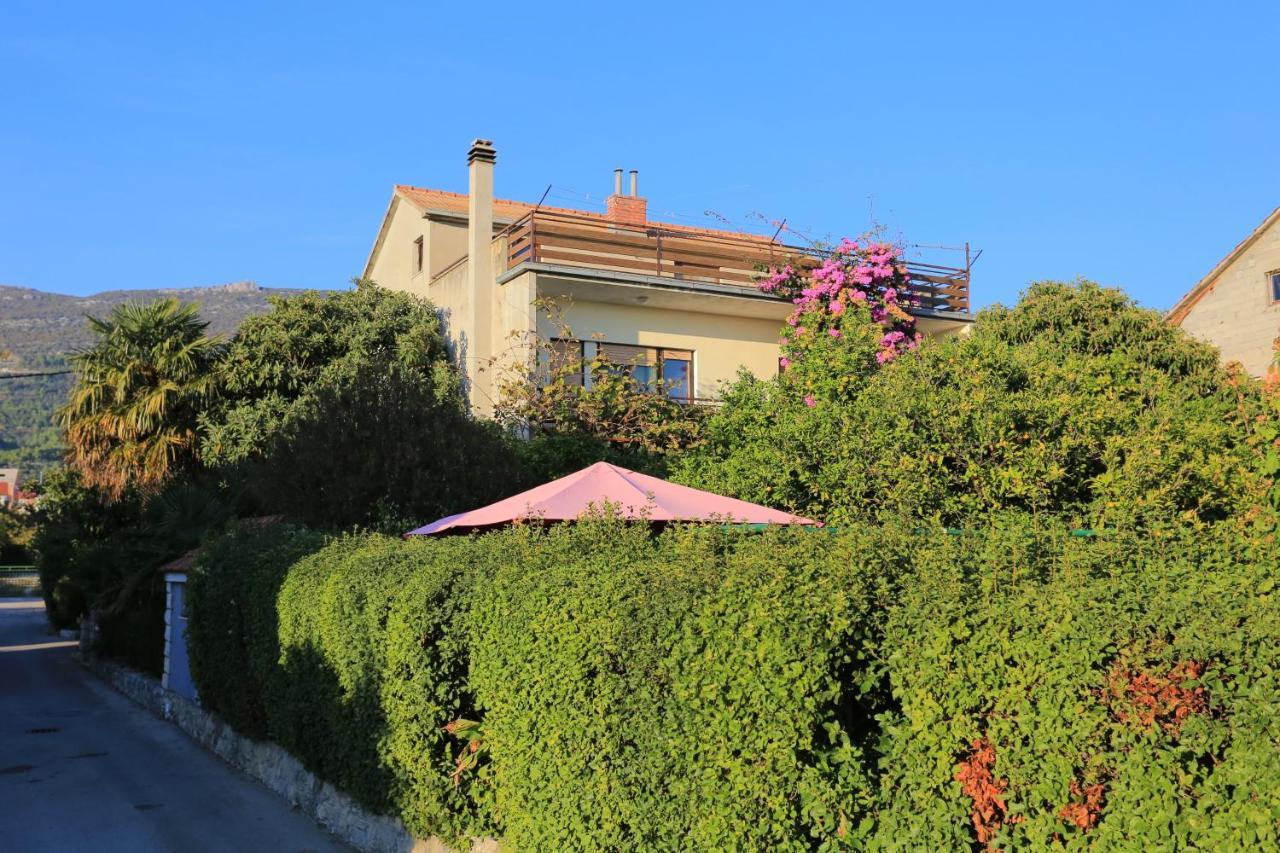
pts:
pixel 637 496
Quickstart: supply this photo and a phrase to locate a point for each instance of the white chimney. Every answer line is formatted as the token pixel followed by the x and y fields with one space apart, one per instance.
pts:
pixel 478 350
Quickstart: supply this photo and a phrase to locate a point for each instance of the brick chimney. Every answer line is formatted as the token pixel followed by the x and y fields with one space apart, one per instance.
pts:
pixel 627 209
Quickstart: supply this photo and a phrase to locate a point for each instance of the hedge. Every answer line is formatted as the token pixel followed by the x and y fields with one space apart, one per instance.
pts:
pixel 349 655
pixel 715 688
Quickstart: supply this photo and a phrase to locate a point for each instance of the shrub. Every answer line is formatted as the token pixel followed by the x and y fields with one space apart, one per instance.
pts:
pixel 1017 686
pixel 232 630
pixel 1075 403
pixel 348 656
pixel 702 688
pixel 1112 692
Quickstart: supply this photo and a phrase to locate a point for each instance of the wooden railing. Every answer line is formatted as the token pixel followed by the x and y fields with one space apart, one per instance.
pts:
pixel 583 241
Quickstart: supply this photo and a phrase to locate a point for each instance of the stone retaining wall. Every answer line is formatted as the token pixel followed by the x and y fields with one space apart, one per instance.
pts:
pixel 273 767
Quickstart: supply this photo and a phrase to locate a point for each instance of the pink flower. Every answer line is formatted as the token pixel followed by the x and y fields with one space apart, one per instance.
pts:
pixel 835 333
pixel 836 308
pixel 810 401
pixel 784 362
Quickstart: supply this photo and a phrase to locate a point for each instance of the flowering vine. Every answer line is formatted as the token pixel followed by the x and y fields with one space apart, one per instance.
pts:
pixel 854 280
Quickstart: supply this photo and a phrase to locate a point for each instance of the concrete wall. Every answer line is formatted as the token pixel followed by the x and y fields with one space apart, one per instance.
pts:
pixel 720 344
pixel 446 242
pixel 1237 314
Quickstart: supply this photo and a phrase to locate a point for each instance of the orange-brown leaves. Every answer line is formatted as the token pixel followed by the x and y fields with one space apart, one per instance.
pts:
pixel 979 783
pixel 1147 699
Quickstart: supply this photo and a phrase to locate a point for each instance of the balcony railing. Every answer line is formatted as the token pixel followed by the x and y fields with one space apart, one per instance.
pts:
pixel 583 241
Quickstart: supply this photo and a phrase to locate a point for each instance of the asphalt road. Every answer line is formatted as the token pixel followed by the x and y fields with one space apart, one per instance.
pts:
pixel 83 768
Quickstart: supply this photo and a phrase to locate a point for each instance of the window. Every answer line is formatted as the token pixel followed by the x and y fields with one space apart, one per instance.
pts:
pixel 417 255
pixel 654 368
pixel 1273 279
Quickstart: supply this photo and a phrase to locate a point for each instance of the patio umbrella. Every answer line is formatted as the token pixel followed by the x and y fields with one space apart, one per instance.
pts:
pixel 636 496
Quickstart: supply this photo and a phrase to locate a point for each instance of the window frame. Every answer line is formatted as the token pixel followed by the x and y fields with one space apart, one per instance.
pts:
pixel 418 258
pixel 1273 286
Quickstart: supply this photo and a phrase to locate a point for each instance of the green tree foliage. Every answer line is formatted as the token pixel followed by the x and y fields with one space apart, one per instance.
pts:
pixel 344 409
pixel 131 418
pixel 92 550
pixel 1074 403
pixel 275 358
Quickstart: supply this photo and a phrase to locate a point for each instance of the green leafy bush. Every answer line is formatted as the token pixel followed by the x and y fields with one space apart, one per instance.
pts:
pixel 714 688
pixel 348 655
pixel 1074 403
pixel 1119 694
pixel 233 629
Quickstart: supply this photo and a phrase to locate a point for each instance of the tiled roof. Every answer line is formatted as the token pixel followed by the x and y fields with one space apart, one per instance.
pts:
pixel 442 200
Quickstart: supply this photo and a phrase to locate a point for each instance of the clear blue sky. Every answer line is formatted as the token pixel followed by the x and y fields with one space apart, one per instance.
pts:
pixel 151 145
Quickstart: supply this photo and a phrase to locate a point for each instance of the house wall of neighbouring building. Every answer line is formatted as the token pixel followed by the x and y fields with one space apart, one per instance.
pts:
pixel 1236 313
pixel 721 344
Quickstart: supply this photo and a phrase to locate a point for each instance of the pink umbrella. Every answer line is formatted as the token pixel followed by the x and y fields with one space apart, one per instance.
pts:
pixel 637 496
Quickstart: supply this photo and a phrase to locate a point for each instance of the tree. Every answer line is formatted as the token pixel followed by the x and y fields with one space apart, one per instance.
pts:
pixel 275 358
pixel 1074 403
pixel 345 410
pixel 131 418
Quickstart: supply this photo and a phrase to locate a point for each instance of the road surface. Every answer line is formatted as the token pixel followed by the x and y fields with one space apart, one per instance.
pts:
pixel 83 768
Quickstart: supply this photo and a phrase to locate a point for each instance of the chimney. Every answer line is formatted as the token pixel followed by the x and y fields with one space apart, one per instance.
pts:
pixel 478 349
pixel 626 209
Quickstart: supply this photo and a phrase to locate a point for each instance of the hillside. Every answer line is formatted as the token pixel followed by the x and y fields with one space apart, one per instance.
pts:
pixel 40 329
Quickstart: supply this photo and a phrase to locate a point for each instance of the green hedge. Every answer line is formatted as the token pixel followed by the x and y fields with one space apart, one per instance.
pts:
pixel 349 655
pixel 795 690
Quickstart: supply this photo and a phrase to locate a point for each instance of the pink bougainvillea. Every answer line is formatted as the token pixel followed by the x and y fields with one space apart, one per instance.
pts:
pixel 871 276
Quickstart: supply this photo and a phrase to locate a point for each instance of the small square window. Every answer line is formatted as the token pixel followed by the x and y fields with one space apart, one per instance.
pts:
pixel 1273 278
pixel 417 255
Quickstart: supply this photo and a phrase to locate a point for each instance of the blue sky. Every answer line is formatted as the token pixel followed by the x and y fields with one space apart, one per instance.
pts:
pixel 153 145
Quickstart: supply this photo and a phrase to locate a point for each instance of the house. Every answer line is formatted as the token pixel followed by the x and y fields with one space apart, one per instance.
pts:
pixel 677 303
pixel 1236 307
pixel 8 486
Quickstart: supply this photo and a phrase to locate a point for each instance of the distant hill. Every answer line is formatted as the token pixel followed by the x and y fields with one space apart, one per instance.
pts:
pixel 40 329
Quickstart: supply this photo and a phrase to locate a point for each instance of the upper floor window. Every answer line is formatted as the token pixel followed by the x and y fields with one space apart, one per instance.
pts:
pixel 653 368
pixel 1273 279
pixel 417 255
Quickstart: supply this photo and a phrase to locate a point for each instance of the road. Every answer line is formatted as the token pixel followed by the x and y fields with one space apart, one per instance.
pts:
pixel 83 768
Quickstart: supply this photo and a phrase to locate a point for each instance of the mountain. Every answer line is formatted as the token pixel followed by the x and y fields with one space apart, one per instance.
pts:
pixel 40 329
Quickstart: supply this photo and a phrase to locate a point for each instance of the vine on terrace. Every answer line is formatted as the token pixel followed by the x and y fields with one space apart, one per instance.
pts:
pixel 854 278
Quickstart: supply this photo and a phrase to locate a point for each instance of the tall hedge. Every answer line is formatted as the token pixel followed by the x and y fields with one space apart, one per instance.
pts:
pixel 349 654
pixel 711 688
pixel 233 628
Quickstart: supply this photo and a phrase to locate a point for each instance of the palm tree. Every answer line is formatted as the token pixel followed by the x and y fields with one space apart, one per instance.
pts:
pixel 131 417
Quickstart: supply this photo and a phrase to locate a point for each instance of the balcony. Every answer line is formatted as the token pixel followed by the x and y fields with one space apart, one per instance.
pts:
pixel 689 255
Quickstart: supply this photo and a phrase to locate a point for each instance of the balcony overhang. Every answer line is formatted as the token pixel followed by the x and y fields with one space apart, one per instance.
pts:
pixel 583 284
pixel 622 288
